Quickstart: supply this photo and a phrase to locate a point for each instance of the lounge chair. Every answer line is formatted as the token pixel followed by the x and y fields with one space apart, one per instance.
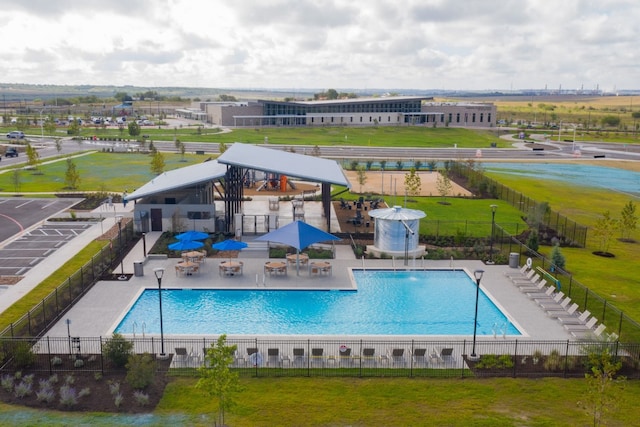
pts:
pixel 532 287
pixel 522 271
pixel 317 356
pixel 255 358
pixel 397 356
pixel 344 356
pixel 575 320
pixel 557 306
pixel 369 357
pixel 586 327
pixel 273 357
pixel 540 295
pixel 446 354
pixel 560 312
pixel 419 357
pixel 589 334
pixel 557 298
pixel 299 358
pixel 531 277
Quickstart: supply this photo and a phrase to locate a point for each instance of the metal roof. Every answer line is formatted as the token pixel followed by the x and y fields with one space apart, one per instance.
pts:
pixel 397 213
pixel 180 178
pixel 315 169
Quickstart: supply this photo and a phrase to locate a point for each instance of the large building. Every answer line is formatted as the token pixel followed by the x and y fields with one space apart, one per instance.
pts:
pixel 383 111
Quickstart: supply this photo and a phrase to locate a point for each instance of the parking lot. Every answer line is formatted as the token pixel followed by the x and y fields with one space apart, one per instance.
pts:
pixel 27 237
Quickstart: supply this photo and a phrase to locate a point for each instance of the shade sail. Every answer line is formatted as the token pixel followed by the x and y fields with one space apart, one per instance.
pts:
pixel 192 235
pixel 298 234
pixel 229 245
pixel 185 245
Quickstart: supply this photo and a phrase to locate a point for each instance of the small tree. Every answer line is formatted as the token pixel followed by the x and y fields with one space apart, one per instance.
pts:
pixel 443 184
pixel 557 258
pixel 157 163
pixel 602 385
pixel 71 176
pixel 222 147
pixel 412 183
pixel 49 126
pixel 532 241
pixel 362 175
pixel 117 350
pixel 432 164
pixel 134 128
pixel 16 180
pixel 628 221
pixel 74 127
pixel 603 230
pixel 216 379
pixel 33 157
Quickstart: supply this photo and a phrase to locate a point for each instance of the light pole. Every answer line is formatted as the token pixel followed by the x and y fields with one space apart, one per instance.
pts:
pixel 119 221
pixel 478 275
pixel 159 272
pixel 493 225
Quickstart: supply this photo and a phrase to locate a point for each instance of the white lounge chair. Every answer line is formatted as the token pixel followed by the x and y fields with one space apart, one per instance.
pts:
pixel 273 357
pixel 533 287
pixel 522 271
pixel 586 327
pixel 560 313
pixel 589 334
pixel 575 320
pixel 556 305
pixel 548 293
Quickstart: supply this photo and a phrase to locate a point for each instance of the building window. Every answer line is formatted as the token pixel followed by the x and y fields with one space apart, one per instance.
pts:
pixel 457 117
pixel 489 117
pixel 321 119
pixel 473 118
pixel 389 119
pixel 351 119
pixel 481 117
pixel 331 119
pixel 450 117
pixel 360 119
pixel 312 119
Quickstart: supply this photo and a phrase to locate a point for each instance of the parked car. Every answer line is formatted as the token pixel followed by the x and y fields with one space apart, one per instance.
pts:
pixel 16 134
pixel 11 152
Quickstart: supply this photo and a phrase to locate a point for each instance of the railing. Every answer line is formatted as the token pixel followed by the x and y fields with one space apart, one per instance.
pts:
pixel 53 306
pixel 255 357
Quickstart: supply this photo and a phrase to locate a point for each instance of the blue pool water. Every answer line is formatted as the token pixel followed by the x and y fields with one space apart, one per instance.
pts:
pixel 386 303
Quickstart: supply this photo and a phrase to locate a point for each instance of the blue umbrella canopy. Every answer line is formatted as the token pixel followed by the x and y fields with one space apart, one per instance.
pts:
pixel 192 235
pixel 185 245
pixel 298 234
pixel 229 245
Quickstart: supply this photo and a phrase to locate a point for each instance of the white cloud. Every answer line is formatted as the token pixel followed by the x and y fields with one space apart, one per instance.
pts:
pixel 322 44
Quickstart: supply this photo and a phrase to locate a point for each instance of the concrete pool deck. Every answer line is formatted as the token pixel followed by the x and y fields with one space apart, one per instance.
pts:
pixel 101 309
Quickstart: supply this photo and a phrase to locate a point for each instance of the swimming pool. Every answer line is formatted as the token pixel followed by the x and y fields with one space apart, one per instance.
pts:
pixel 430 302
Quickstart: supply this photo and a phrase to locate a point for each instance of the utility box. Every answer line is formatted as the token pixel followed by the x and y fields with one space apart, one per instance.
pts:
pixel 513 259
pixel 138 268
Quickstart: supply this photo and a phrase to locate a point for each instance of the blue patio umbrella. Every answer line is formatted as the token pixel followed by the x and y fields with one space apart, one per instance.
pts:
pixel 229 245
pixel 185 245
pixel 298 234
pixel 192 235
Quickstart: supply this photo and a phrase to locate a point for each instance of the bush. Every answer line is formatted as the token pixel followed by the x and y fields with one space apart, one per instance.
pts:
pixel 140 370
pixel 23 389
pixel 68 396
pixel 141 398
pixel 22 355
pixel 117 350
pixel 491 361
pixel 553 362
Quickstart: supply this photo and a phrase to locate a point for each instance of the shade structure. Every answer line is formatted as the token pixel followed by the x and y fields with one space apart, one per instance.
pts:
pixel 229 245
pixel 185 245
pixel 192 235
pixel 298 234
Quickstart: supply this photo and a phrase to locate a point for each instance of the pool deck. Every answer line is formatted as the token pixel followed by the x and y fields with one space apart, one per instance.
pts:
pixel 102 308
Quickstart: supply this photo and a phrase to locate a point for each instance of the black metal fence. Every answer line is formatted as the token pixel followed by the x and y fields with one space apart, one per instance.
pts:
pixel 627 329
pixel 44 314
pixel 256 357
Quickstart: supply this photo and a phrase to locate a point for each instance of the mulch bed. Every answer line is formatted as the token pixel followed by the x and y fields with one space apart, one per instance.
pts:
pixel 99 398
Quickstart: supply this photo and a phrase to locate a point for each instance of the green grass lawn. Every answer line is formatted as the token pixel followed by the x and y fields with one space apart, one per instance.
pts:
pixel 367 402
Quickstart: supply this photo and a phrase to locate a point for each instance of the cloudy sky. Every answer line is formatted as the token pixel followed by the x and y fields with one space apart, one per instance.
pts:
pixel 341 44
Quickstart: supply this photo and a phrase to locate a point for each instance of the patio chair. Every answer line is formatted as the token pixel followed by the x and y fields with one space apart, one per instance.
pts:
pixel 182 357
pixel 556 305
pixel 540 295
pixel 533 287
pixel 344 357
pixel 419 356
pixel 557 298
pixel 317 356
pixel 530 277
pixel 397 356
pixel 589 334
pixel 446 354
pixel 273 357
pixel 299 358
pixel 369 357
pixel 584 327
pixel 255 358
pixel 522 271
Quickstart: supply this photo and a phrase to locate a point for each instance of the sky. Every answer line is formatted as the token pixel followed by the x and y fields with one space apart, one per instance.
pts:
pixel 339 44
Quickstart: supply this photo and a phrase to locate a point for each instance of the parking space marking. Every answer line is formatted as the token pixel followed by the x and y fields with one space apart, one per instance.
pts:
pixel 28 202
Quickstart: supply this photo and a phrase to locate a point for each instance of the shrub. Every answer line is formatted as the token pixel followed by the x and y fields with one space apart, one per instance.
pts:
pixel 53 379
pixel 79 363
pixel 69 380
pixel 7 382
pixel 56 361
pixel 114 387
pixel 553 362
pixel 23 389
pixel 68 396
pixel 140 370
pixel 22 354
pixel 117 399
pixel 141 398
pixel 97 376
pixel 84 392
pixel 117 350
pixel 46 395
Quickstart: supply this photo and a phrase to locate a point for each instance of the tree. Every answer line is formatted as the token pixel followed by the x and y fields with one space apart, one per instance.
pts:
pixel 612 121
pixel 33 157
pixel 628 221
pixel 16 180
pixel 157 163
pixel 603 231
pixel 134 128
pixel 49 126
pixel 58 143
pixel 533 241
pixel 222 147
pixel 443 184
pixel 71 176
pixel 74 127
pixel 602 385
pixel 362 175
pixel 537 215
pixel 216 379
pixel 412 183
pixel 557 258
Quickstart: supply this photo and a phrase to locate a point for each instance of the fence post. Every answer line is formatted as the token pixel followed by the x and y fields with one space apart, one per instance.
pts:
pixel 49 356
pixel 604 310
pixel 101 357
pixel 515 358
pixel 566 359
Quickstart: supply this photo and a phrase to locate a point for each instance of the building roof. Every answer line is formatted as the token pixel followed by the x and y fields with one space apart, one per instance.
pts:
pixel 315 169
pixel 180 178
pixel 353 100
pixel 397 213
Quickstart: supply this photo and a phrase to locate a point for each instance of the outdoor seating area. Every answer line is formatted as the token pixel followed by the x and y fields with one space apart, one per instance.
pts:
pixel 230 268
pixel 320 268
pixel 302 259
pixel 187 268
pixel 275 268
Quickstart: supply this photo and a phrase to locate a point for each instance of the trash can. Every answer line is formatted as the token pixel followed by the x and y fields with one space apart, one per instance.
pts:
pixel 138 268
pixel 513 259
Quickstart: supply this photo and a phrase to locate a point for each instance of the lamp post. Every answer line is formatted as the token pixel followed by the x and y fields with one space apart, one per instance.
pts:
pixel 159 272
pixel 493 225
pixel 478 275
pixel 119 221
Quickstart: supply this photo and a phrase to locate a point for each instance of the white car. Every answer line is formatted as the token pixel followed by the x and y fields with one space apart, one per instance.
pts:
pixel 16 134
